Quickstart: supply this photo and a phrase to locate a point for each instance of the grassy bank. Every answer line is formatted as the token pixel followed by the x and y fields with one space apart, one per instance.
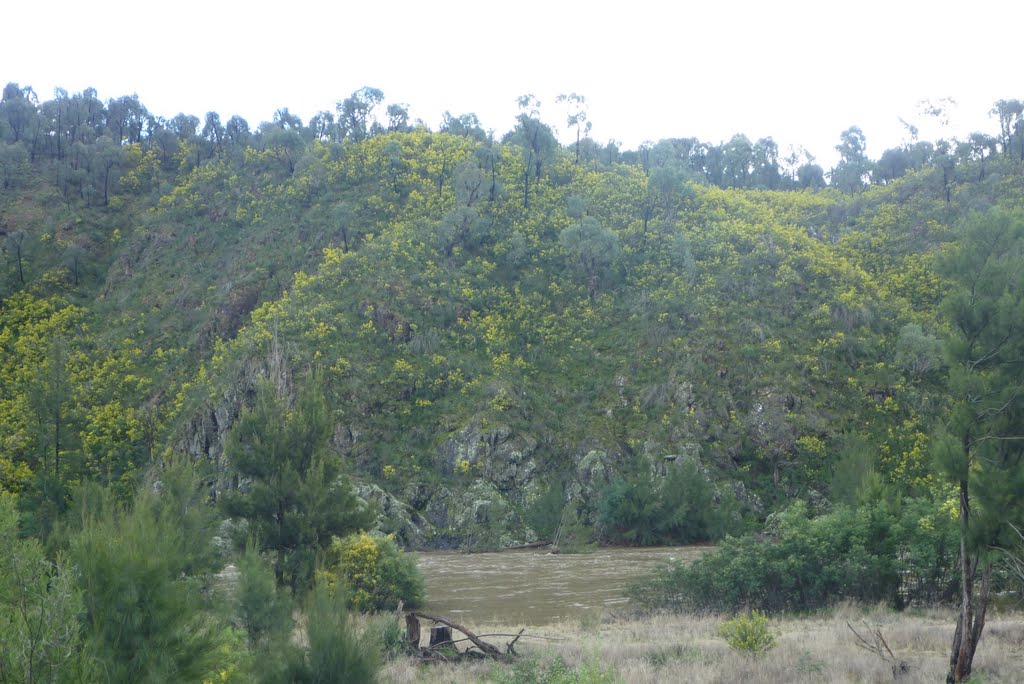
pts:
pixel 687 648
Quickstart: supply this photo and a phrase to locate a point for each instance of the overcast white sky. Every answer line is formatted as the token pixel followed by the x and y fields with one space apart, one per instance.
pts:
pixel 799 71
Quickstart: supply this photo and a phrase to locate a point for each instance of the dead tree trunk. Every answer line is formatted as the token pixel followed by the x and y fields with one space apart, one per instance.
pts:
pixel 440 635
pixel 489 650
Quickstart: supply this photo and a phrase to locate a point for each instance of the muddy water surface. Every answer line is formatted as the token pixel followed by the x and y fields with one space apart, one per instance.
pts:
pixel 534 587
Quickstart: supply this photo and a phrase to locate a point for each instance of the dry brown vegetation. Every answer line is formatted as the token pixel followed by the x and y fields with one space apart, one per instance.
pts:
pixel 687 648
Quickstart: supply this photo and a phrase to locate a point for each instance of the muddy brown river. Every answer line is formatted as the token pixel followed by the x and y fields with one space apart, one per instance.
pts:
pixel 534 587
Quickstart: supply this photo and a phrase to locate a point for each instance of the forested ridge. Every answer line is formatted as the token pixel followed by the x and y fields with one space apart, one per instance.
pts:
pixel 500 339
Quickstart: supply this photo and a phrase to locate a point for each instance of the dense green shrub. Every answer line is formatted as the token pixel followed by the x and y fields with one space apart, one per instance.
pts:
pixel 142 572
pixel 680 507
pixel 335 652
pixel 39 609
pixel 385 630
pixel 870 554
pixel 374 572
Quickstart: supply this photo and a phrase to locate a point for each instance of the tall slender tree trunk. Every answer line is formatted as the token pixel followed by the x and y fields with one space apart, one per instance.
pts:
pixel 971 620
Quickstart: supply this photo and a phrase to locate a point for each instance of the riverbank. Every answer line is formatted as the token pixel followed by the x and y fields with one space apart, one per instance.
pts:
pixel 811 649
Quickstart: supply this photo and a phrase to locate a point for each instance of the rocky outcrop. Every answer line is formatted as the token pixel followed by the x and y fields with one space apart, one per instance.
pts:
pixel 496 453
pixel 485 519
pixel 202 437
pixel 394 516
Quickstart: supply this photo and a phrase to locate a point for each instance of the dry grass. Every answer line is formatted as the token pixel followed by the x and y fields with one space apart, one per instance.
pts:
pixel 687 648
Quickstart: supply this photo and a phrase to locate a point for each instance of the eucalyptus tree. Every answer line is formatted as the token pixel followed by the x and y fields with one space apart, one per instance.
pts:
pixel 398 117
pixel 535 139
pixel 17 109
pixel 126 119
pixel 323 127
pixel 576 117
pixel 591 247
pixel 810 176
pixel 355 113
pixel 854 167
pixel 460 225
pixel 1011 124
pixel 237 135
pixel 466 125
pixel 213 133
pixel 765 164
pixel 737 162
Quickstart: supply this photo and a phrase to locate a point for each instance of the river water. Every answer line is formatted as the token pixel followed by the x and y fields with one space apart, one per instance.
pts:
pixel 534 587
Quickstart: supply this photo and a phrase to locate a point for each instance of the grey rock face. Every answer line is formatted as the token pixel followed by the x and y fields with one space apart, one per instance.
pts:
pixel 498 454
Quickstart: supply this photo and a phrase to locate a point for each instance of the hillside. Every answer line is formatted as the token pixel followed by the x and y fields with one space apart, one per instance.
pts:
pixel 505 331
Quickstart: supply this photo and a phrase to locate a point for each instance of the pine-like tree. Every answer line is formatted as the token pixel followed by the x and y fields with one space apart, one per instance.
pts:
pixel 291 491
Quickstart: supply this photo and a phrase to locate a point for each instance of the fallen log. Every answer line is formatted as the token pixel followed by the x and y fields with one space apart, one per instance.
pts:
pixel 489 650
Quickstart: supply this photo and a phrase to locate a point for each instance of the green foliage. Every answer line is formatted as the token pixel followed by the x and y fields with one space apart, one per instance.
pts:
pixel 679 507
pixel 853 472
pixel 142 574
pixel 262 609
pixel 535 670
pixel 573 534
pixel 374 573
pixel 40 606
pixel 709 307
pixel 386 630
pixel 544 515
pixel 749 633
pixel 296 499
pixel 979 448
pixel 867 554
pixel 334 652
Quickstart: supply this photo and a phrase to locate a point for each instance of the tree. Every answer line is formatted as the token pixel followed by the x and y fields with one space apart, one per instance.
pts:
pixel 979 147
pixel 142 572
pixel 322 126
pixel 17 109
pixel 766 164
pixel 184 126
pixel 355 112
pixel 737 162
pixel 286 120
pixel 576 117
pixel 810 176
pixel 980 449
pixel 126 119
pixel 39 607
pixel 213 132
pixel 466 125
pixel 398 117
pixel 13 165
pixel 291 491
pixel 104 163
pixel 50 401
pixel 458 225
pixel 536 140
pixel 236 132
pixel 854 167
pixel 1011 118
pixel 893 164
pixel 592 247
pixel 16 241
